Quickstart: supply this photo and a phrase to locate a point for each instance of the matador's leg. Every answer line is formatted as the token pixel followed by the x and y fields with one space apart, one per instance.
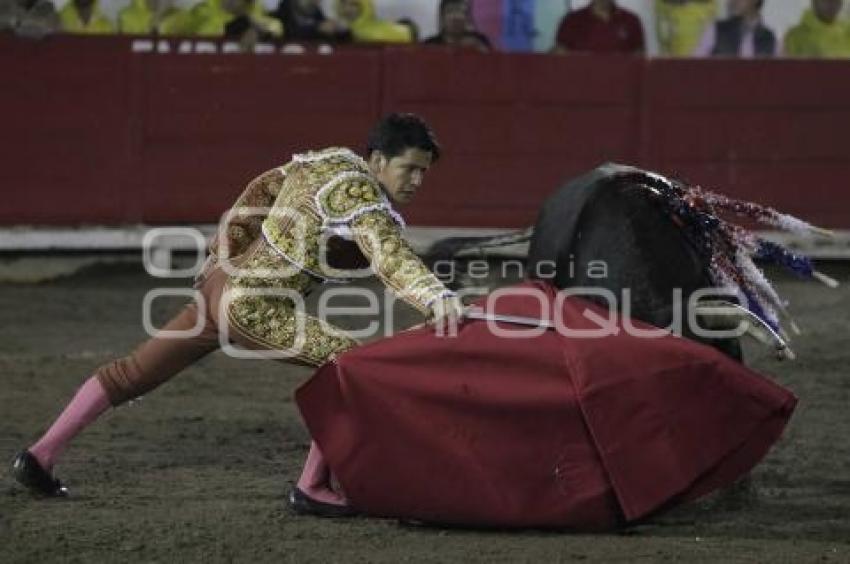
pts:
pixel 266 323
pixel 152 363
pixel 324 342
pixel 158 359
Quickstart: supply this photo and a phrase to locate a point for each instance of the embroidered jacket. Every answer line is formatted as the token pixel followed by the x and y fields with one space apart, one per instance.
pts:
pixel 324 214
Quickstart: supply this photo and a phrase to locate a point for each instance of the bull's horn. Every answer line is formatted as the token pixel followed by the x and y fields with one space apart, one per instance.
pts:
pixel 723 314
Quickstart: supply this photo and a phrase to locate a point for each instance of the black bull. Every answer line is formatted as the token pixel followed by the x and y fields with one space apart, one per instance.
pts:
pixel 610 217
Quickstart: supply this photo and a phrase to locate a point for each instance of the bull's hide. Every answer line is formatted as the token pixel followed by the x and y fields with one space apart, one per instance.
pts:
pixel 609 217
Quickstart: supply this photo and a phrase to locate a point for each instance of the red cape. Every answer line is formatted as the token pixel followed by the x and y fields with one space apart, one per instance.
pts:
pixel 549 431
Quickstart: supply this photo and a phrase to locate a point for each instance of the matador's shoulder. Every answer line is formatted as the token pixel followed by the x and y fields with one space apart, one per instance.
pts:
pixel 331 155
pixel 345 187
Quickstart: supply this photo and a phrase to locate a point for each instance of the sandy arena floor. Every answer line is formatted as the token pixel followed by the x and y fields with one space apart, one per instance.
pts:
pixel 199 470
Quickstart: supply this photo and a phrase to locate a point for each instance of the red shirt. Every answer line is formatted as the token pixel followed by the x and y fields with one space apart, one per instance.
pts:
pixel 583 30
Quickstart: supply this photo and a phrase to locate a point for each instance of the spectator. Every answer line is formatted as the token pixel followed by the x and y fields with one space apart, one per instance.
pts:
pixel 211 17
pixel 742 34
pixel 458 28
pixel 681 23
pixel 602 27
pixel 84 17
pixel 821 33
pixel 28 18
pixel 414 29
pixel 304 20
pixel 153 17
pixel 244 30
pixel 359 16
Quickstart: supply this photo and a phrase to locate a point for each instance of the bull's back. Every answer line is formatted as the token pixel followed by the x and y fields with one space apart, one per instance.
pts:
pixel 608 230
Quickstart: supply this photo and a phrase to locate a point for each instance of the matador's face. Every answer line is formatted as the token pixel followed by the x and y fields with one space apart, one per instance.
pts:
pixel 401 176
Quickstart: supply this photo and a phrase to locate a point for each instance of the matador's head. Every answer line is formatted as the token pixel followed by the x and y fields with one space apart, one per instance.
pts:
pixel 400 150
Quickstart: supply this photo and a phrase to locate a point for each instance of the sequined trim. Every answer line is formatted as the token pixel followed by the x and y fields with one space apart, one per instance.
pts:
pixel 341 153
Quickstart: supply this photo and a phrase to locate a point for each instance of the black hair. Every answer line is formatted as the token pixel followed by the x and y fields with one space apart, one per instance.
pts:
pixel 414 29
pixel 398 132
pixel 446 4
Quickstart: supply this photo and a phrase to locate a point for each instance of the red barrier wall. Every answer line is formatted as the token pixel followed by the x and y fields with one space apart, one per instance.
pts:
pixel 771 131
pixel 93 133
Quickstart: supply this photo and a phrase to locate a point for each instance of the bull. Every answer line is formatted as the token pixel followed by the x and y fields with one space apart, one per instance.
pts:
pixel 631 233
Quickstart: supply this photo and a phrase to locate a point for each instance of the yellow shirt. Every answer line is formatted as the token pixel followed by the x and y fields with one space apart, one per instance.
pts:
pixel 815 38
pixel 71 22
pixel 138 19
pixel 208 19
pixel 367 28
pixel 680 26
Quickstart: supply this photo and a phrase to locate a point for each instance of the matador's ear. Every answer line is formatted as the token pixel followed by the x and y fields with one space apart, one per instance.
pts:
pixel 377 162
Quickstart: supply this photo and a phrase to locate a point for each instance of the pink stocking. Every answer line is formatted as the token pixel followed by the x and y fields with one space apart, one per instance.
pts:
pixel 315 480
pixel 88 404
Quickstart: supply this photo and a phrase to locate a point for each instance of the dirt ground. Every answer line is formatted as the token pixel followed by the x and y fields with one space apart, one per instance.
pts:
pixel 199 470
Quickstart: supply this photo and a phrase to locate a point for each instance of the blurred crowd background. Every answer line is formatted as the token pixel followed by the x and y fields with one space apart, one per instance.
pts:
pixel 682 28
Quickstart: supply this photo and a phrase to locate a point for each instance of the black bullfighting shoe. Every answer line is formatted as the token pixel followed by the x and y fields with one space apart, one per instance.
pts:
pixel 28 472
pixel 302 504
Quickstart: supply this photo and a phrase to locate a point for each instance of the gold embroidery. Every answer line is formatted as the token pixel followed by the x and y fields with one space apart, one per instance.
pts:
pixel 310 197
pixel 394 261
pixel 243 227
pixel 349 196
pixel 279 326
pixel 274 320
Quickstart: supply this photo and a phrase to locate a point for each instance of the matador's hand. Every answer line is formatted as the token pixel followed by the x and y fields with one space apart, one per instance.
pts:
pixel 446 315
